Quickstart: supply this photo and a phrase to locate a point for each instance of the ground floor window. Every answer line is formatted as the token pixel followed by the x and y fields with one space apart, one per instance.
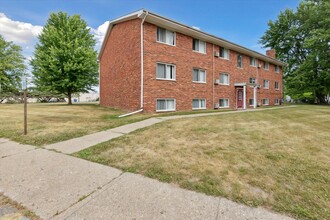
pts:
pixel 199 104
pixel 265 101
pixel 251 102
pixel 276 101
pixel 165 105
pixel 224 103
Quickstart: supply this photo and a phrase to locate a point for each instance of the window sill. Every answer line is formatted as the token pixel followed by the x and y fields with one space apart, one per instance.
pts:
pixel 199 108
pixel 224 84
pixel 224 58
pixel 224 107
pixel 173 45
pixel 199 82
pixel 199 52
pixel 171 80
pixel 168 110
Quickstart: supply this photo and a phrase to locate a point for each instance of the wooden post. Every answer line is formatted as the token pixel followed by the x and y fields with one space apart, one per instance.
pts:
pixel 25 111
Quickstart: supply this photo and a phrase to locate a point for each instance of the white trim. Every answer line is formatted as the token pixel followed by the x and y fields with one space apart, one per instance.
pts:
pixel 166 64
pixel 240 84
pixel 244 97
pixel 166 110
pixel 142 61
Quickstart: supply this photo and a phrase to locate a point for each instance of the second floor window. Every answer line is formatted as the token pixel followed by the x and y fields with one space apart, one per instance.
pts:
pixel 199 75
pixel 199 46
pixel 224 53
pixel 239 61
pixel 165 71
pixel 277 69
pixel 252 80
pixel 224 78
pixel 266 65
pixel 165 36
pixel 266 84
pixel 253 61
pixel 277 85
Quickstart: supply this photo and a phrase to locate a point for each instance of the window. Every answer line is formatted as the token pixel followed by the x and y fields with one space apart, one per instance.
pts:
pixel 252 80
pixel 266 84
pixel 165 36
pixel 276 101
pixel 277 69
pixel 239 61
pixel 277 85
pixel 224 78
pixel 224 103
pixel 165 71
pixel 266 65
pixel 199 46
pixel 165 105
pixel 224 53
pixel 253 61
pixel 199 75
pixel 199 104
pixel 265 101
pixel 251 102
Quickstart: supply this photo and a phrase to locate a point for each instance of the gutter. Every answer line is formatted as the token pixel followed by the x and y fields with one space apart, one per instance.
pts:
pixel 131 113
pixel 142 58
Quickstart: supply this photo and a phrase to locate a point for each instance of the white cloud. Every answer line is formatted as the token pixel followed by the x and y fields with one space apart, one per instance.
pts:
pixel 17 31
pixel 100 32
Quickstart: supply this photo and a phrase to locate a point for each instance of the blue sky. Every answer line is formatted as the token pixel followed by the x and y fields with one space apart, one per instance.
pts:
pixel 240 21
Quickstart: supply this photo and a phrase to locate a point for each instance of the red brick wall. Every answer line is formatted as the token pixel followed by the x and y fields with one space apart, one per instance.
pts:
pixel 120 67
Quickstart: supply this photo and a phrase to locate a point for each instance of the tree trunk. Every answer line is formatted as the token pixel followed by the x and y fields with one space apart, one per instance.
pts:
pixel 69 98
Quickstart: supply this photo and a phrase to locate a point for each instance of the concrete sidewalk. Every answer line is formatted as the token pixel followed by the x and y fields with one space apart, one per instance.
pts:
pixel 80 143
pixel 58 186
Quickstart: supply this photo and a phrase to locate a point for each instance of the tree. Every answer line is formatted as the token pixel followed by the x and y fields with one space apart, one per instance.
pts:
pixel 65 60
pixel 301 38
pixel 12 67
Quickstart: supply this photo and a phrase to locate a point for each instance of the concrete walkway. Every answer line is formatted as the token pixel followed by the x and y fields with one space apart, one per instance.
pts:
pixel 58 186
pixel 80 143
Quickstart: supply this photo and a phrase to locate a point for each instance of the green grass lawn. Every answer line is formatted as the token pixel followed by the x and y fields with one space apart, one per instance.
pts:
pixel 51 123
pixel 278 159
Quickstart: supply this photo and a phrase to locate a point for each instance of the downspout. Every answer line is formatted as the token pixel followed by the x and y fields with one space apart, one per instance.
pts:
pixel 98 61
pixel 142 59
pixel 213 77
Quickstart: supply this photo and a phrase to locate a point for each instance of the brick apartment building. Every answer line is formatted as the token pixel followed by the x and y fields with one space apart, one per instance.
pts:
pixel 156 64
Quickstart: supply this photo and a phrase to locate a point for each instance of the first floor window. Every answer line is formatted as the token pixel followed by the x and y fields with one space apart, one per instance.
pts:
pixel 253 61
pixel 276 101
pixel 266 84
pixel 265 101
pixel 277 85
pixel 199 75
pixel 251 102
pixel 277 69
pixel 224 78
pixel 165 105
pixel 165 71
pixel 199 103
pixel 252 80
pixel 224 53
pixel 266 65
pixel 224 103
pixel 199 46
pixel 239 61
pixel 165 36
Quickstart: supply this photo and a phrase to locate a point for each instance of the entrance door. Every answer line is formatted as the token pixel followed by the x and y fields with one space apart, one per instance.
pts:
pixel 239 98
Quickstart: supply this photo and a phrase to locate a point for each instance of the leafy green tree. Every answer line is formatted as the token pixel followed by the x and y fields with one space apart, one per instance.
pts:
pixel 12 67
pixel 301 38
pixel 65 60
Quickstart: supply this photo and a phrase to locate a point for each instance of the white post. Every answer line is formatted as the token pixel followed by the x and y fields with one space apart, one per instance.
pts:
pixel 255 97
pixel 244 97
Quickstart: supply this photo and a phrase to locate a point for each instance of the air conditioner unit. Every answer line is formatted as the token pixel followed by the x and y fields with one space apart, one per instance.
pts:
pixel 259 86
pixel 259 66
pixel 216 105
pixel 216 81
pixel 216 54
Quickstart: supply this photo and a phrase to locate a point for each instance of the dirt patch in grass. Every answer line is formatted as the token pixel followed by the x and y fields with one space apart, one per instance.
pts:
pixel 278 159
pixel 51 123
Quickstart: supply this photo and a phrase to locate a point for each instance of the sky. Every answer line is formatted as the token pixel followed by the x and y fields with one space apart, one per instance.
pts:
pixel 240 21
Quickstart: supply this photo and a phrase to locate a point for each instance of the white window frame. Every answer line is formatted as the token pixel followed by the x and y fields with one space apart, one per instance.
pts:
pixel 199 43
pixel 266 68
pixel 278 86
pixel 253 62
pixel 252 102
pixel 224 106
pixel 224 56
pixel 255 80
pixel 263 85
pixel 166 110
pixel 166 65
pixel 276 101
pixel 199 71
pixel 240 55
pixel 277 68
pixel 199 104
pixel 263 101
pixel 226 84
pixel 166 31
